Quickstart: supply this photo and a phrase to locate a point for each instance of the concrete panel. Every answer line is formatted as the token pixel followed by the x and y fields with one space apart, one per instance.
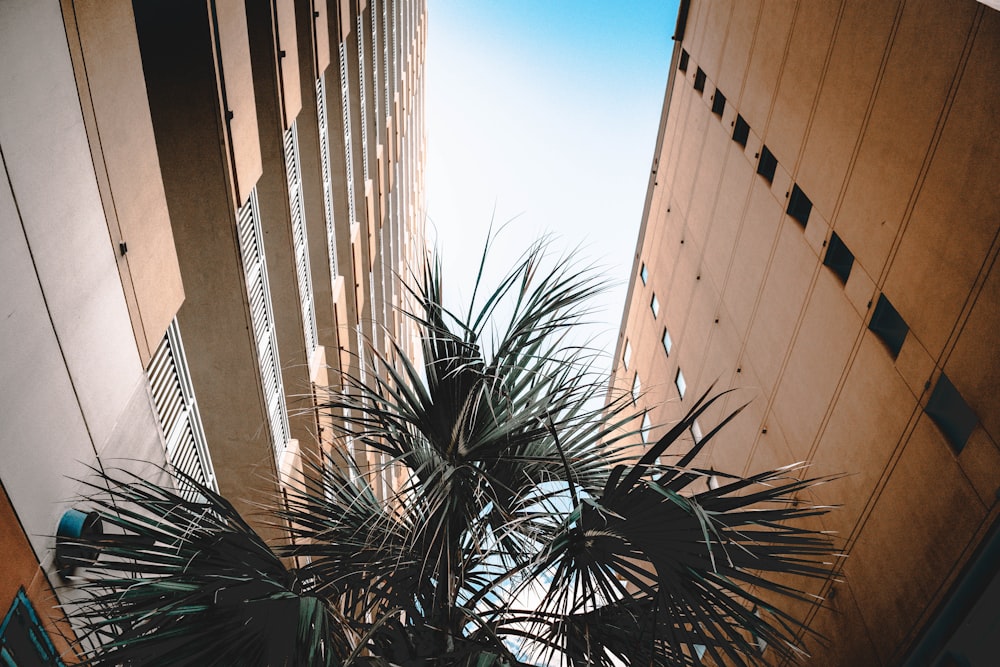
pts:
pixel 288 61
pixel 689 149
pixel 234 54
pixel 811 34
pixel 907 550
pixel 736 54
pixel 957 213
pixel 818 360
pixel 867 423
pixel 709 53
pixel 911 96
pixel 126 148
pixel 734 189
pixel 843 639
pixel 781 301
pixel 972 364
pixel 850 77
pixel 707 181
pixel 765 62
pixel 753 250
pixel 65 226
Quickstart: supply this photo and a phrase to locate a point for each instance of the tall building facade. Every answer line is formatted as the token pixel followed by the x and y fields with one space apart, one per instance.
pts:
pixel 209 209
pixel 820 233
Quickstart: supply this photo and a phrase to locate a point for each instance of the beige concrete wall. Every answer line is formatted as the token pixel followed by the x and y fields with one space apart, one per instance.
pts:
pixel 884 114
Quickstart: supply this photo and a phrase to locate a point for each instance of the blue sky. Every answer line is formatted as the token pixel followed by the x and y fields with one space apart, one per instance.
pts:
pixel 543 113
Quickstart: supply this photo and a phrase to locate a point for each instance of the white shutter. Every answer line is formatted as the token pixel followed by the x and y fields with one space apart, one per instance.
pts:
pixel 300 243
pixel 345 104
pixel 324 157
pixel 177 410
pixel 364 93
pixel 262 319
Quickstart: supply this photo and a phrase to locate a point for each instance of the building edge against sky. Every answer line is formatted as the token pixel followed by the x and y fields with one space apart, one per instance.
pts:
pixel 207 212
pixel 820 232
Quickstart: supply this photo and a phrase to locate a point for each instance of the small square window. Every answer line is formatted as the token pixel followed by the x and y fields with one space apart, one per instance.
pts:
pixel 644 273
pixel 23 639
pixel 768 163
pixel 799 206
pixel 667 343
pixel 889 325
pixel 683 64
pixel 838 258
pixel 741 132
pixel 654 305
pixel 951 413
pixel 647 426
pixel 636 388
pixel 681 384
pixel 699 80
pixel 718 102
pixel 627 354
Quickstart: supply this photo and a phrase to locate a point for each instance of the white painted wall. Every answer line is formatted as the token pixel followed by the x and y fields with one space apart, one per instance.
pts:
pixel 71 383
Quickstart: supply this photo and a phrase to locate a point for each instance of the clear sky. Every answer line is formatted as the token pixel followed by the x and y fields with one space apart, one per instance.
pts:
pixel 543 112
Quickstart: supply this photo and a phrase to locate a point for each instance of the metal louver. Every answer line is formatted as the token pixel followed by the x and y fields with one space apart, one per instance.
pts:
pixel 177 411
pixel 324 156
pixel 364 93
pixel 345 104
pixel 300 243
pixel 262 319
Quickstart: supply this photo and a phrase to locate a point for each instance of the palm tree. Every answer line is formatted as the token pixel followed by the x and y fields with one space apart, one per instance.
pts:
pixel 523 527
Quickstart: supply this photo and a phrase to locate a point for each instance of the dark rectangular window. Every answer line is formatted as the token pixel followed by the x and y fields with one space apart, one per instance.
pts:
pixel 718 103
pixel 23 640
pixel 768 163
pixel 699 80
pixel 741 132
pixel 799 206
pixel 683 64
pixel 889 325
pixel 839 258
pixel 951 413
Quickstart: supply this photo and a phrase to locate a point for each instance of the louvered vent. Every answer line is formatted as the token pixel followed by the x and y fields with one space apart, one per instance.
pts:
pixel 177 410
pixel 324 156
pixel 300 243
pixel 345 104
pixel 364 93
pixel 262 320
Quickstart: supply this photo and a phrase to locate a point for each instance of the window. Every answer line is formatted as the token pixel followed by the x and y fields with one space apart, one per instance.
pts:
pixel 696 433
pixel 636 387
pixel 887 323
pixel 23 640
pixel 799 206
pixel 741 132
pixel 654 305
pixel 644 273
pixel 768 163
pixel 838 258
pixel 683 64
pixel 681 384
pixel 667 343
pixel 647 426
pixel 699 80
pixel 951 413
pixel 718 102
pixel 627 354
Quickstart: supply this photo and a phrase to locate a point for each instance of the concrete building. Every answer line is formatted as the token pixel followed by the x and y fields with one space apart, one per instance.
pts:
pixel 821 233
pixel 207 210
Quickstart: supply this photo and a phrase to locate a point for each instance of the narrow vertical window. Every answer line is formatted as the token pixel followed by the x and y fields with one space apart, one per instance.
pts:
pixel 627 354
pixel 681 383
pixel 644 274
pixel 696 433
pixel 951 413
pixel 636 387
pixel 741 132
pixel 838 258
pixel 682 64
pixel 799 206
pixel 767 165
pixel 647 426
pixel 654 305
pixel 667 343
pixel 718 103
pixel 699 80
pixel 889 325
